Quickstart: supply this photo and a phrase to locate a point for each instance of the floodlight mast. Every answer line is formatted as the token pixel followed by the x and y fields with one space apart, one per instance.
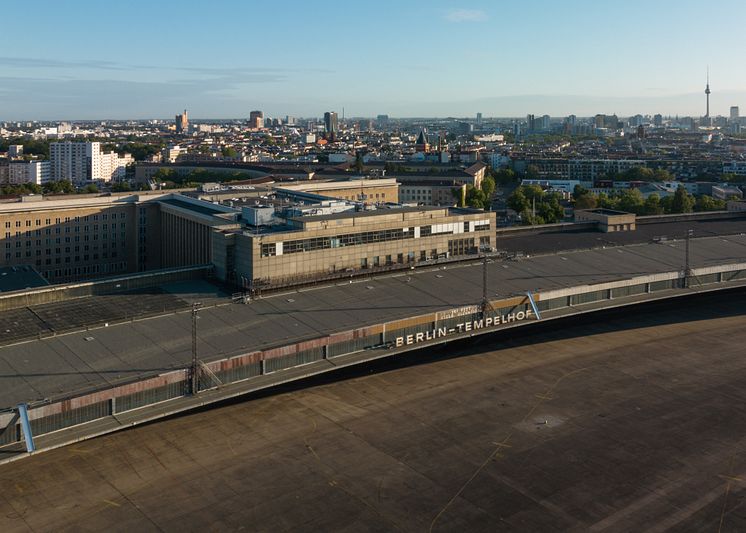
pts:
pixel 194 368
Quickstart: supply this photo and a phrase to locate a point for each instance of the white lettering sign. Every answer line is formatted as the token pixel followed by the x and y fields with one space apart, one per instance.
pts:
pixel 461 327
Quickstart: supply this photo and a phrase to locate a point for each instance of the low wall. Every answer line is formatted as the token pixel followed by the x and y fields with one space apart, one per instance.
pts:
pixel 57 293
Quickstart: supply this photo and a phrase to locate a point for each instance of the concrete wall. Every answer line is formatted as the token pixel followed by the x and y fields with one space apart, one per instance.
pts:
pixel 58 293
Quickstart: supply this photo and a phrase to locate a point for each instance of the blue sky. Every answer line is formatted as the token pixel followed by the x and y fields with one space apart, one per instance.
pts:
pixel 223 58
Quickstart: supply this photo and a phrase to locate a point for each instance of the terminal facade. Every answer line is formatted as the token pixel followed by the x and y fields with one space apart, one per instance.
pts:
pixel 305 236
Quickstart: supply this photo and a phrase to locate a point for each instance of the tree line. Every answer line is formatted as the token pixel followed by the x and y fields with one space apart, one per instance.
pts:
pixel 632 201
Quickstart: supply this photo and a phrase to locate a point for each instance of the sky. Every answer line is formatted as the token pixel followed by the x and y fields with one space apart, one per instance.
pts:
pixel 89 59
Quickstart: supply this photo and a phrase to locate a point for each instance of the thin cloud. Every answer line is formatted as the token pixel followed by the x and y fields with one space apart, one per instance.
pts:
pixel 32 63
pixel 465 15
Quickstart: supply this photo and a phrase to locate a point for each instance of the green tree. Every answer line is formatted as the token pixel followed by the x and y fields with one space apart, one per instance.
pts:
pixel 652 205
pixel 359 165
pixel 708 203
pixel 458 196
pixel 682 202
pixel 638 173
pixel 578 191
pixel 550 210
pixel 518 201
pixel 505 176
pixel 533 192
pixel 586 201
pixel 90 188
pixel 59 187
pixel 229 151
pixel 488 186
pixel 661 174
pixel 475 197
pixel 631 201
pixel 122 186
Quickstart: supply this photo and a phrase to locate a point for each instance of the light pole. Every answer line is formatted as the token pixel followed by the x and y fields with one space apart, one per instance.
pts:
pixel 687 262
pixel 193 369
pixel 485 304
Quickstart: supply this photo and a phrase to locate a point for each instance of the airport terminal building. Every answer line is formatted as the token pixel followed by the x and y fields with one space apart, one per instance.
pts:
pixel 294 249
pixel 292 238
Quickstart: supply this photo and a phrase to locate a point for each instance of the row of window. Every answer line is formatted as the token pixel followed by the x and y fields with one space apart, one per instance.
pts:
pixel 48 221
pixel 120 266
pixel 351 239
pixel 57 231
pixel 354 239
pixel 67 248
pixel 68 259
pixel 58 240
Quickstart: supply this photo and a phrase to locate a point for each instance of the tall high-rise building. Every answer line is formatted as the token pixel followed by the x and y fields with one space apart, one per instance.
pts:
pixel 479 119
pixel 85 162
pixel 182 122
pixel 707 93
pixel 734 115
pixel 658 120
pixel 256 120
pixel 331 124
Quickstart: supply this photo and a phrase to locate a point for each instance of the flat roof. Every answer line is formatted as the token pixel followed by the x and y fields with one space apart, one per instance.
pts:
pixel 368 213
pixel 553 240
pixel 604 211
pixel 20 277
pixel 197 208
pixel 59 364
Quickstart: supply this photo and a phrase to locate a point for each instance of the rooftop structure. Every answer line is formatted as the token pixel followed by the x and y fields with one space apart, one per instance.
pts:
pixel 608 219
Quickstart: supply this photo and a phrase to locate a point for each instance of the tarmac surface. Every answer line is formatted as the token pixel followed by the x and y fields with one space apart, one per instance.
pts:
pixel 545 241
pixel 631 420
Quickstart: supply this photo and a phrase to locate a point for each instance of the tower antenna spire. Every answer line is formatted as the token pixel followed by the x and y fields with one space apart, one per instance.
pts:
pixel 707 92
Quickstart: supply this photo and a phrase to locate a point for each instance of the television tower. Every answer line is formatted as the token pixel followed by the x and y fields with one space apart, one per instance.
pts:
pixel 707 92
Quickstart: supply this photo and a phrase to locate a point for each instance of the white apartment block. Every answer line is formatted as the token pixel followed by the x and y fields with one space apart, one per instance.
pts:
pixel 85 162
pixel 20 172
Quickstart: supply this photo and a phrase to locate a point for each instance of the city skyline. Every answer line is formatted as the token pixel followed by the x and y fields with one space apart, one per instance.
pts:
pixel 435 59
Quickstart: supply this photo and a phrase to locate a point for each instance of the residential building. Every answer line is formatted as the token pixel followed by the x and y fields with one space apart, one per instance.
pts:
pixel 15 151
pixel 85 162
pixel 331 124
pixel 36 172
pixel 182 122
pixel 256 120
